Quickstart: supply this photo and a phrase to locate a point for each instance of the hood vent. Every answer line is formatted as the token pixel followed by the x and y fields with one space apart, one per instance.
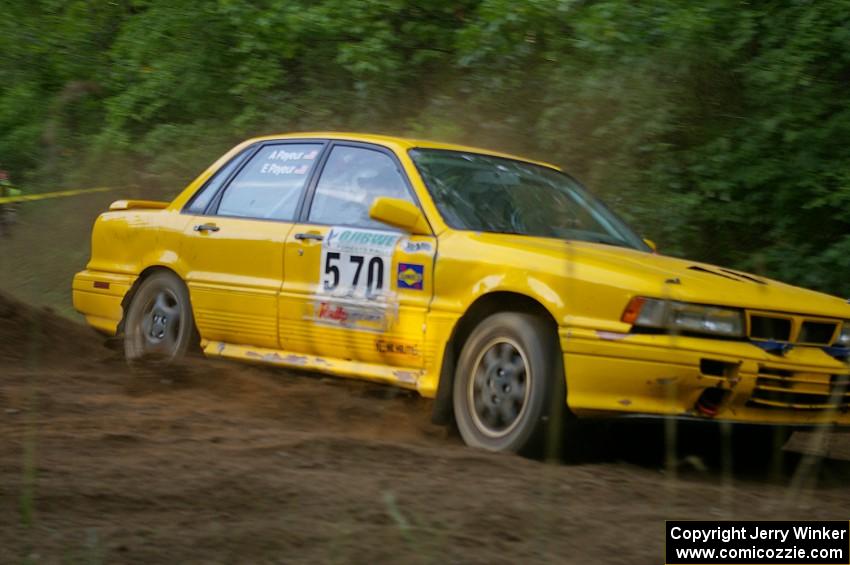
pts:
pixel 727 274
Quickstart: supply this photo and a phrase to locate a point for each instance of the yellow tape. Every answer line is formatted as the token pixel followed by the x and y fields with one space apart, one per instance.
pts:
pixel 46 195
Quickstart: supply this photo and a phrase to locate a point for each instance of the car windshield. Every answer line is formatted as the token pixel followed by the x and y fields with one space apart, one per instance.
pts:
pixel 492 194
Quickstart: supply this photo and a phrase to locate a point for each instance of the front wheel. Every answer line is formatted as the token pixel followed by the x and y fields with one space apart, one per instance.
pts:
pixel 159 327
pixel 508 383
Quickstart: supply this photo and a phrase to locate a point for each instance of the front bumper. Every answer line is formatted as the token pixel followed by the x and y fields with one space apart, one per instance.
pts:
pixel 665 375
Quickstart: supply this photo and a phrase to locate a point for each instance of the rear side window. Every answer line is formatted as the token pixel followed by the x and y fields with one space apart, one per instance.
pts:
pixel 271 184
pixel 202 198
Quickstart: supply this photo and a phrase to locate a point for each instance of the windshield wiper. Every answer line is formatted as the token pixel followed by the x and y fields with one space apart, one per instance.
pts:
pixel 597 238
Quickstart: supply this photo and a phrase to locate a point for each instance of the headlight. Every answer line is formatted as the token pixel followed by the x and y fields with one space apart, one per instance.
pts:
pixel 844 336
pixel 685 317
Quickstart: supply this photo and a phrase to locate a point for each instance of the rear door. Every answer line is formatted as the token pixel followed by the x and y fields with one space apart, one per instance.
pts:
pixel 233 247
pixel 356 289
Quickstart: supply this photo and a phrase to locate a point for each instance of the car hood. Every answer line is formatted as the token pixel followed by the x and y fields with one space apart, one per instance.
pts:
pixel 691 281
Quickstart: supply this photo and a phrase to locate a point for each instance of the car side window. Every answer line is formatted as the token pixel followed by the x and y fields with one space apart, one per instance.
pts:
pixel 270 185
pixel 351 180
pixel 202 198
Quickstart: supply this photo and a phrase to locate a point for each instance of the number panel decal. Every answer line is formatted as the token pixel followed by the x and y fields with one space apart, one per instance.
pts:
pixel 355 276
pixel 355 264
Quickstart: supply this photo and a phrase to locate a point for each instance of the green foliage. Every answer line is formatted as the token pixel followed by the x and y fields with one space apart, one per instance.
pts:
pixel 717 126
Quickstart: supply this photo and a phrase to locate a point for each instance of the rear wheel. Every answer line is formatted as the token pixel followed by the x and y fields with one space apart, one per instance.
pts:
pixel 159 327
pixel 507 383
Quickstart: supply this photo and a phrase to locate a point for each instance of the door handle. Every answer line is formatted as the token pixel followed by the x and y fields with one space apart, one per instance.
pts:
pixel 206 227
pixel 309 235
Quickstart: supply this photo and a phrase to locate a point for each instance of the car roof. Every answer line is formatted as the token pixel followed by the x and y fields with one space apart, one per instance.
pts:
pixel 401 142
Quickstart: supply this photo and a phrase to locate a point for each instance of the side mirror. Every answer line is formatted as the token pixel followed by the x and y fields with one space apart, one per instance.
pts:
pixel 399 214
pixel 651 245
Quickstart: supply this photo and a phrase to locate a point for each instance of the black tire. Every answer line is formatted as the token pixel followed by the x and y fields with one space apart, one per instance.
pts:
pixel 509 381
pixel 159 328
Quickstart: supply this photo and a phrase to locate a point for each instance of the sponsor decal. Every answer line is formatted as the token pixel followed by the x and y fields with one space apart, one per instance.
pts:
pixel 396 347
pixel 354 315
pixel 411 275
pixel 416 246
pixel 363 242
pixel 347 314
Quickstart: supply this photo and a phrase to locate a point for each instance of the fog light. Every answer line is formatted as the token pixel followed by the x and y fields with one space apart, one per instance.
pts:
pixel 710 400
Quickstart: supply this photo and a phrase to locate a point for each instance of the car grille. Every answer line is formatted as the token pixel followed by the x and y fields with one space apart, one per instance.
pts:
pixel 791 329
pixel 780 388
pixel 817 332
pixel 764 327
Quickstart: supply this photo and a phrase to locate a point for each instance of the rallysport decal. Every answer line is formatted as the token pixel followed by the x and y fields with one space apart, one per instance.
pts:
pixel 411 275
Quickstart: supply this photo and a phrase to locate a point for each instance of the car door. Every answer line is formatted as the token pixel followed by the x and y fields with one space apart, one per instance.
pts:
pixel 233 246
pixel 356 289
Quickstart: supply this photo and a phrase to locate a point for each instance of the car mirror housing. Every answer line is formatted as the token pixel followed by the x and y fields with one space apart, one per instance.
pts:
pixel 400 214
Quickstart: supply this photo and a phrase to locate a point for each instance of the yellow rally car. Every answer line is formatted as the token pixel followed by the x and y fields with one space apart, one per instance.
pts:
pixel 494 284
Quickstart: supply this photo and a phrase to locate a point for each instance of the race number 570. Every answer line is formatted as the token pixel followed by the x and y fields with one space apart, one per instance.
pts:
pixel 353 273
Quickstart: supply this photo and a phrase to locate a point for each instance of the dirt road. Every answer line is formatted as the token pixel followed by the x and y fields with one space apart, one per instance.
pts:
pixel 222 463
